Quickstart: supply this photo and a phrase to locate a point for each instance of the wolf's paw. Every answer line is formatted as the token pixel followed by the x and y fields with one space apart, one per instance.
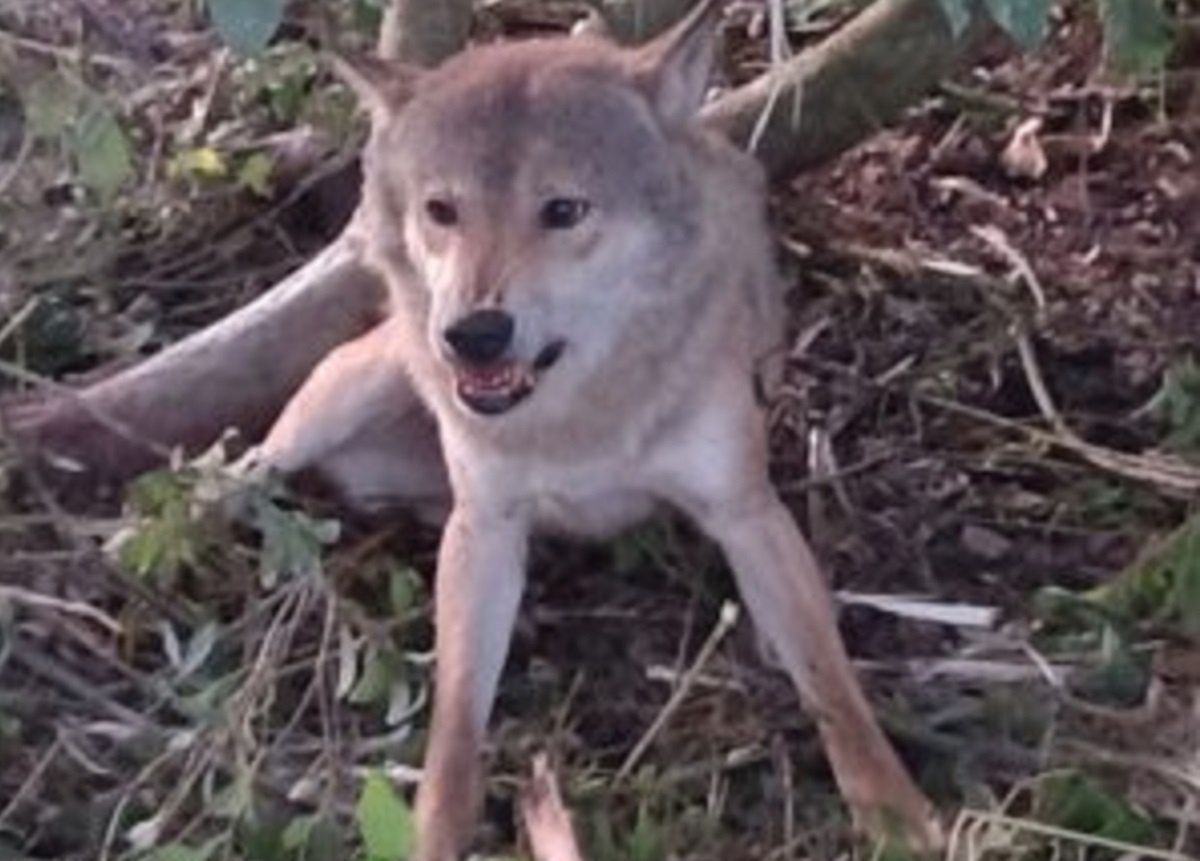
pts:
pixel 906 822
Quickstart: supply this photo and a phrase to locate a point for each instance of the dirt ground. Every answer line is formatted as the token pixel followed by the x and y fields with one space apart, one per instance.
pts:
pixel 991 385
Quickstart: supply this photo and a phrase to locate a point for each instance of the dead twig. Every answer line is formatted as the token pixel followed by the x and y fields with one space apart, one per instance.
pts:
pixel 726 621
pixel 17 595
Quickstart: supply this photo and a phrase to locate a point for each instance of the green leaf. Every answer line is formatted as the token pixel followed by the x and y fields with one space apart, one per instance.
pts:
pixel 403 587
pixel 51 105
pixel 1025 20
pixel 235 800
pixel 1138 36
pixel 160 547
pixel 246 26
pixel 1177 403
pixel 958 15
pixel 313 838
pixel 197 162
pixel 297 833
pixel 648 842
pixel 101 151
pixel 165 538
pixel 183 852
pixel 384 820
pixel 382 668
pixel 291 541
pixel 1074 801
pixel 154 492
pixel 1121 677
pixel 1186 565
pixel 255 174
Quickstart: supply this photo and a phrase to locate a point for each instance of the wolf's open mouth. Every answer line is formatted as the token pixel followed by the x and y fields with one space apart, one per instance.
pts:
pixel 497 387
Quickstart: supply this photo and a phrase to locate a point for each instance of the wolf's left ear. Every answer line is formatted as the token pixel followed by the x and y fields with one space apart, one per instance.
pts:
pixel 673 68
pixel 382 86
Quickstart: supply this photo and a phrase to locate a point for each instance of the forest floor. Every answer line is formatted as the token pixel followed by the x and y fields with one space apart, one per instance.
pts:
pixel 990 430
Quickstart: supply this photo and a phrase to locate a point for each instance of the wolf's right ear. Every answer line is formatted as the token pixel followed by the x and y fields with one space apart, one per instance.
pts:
pixel 673 68
pixel 382 86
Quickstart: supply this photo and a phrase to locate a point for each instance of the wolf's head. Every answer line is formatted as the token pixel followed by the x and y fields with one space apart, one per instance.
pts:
pixel 536 192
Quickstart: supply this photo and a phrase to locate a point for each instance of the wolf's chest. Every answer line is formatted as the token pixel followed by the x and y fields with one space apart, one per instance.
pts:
pixel 592 500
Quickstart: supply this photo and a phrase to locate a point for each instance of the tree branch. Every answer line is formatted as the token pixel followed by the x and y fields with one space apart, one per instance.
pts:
pixel 239 372
pixel 424 32
pixel 838 93
pixel 632 21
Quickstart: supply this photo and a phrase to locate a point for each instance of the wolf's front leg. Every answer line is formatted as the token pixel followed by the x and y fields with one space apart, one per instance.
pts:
pixel 789 600
pixel 480 576
pixel 359 423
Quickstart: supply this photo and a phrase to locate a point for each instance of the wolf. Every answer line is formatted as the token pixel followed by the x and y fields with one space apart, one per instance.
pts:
pixel 583 304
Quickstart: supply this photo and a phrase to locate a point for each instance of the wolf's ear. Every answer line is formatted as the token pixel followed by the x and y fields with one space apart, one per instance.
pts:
pixel 673 68
pixel 382 86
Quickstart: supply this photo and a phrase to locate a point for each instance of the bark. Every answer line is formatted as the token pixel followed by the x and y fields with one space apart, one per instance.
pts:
pixel 632 21
pixel 838 93
pixel 424 32
pixel 240 371
pixel 237 373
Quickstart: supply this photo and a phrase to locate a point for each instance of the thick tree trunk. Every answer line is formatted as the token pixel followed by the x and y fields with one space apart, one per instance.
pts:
pixel 240 371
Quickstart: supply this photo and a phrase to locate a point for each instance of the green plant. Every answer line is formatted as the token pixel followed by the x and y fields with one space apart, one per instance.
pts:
pixel 385 822
pixel 61 110
pixel 1138 35
pixel 1177 405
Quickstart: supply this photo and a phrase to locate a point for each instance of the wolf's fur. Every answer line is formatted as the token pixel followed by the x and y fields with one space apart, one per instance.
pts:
pixel 666 301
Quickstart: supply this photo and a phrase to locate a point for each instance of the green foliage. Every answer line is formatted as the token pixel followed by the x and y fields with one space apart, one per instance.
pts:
pixel 313 838
pixel 101 151
pixel 246 26
pixel 180 516
pixel 281 79
pixel 52 338
pixel 1177 404
pixel 385 822
pixel 1159 594
pixel 291 539
pixel 255 174
pixel 166 537
pixel 958 14
pixel 366 16
pixel 1164 587
pixel 203 163
pixel 51 106
pixel 1119 675
pixel 1074 801
pixel 1138 35
pixel 1027 21
pixel 1161 589
pixel 185 852
pixel 62 111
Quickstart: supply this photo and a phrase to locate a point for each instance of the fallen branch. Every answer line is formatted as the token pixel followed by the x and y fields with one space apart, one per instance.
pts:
pixel 827 99
pixel 237 373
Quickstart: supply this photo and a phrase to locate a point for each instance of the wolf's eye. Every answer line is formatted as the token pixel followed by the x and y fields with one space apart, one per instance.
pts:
pixel 441 212
pixel 563 213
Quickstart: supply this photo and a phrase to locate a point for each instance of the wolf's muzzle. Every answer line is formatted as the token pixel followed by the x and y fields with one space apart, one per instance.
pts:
pixel 481 336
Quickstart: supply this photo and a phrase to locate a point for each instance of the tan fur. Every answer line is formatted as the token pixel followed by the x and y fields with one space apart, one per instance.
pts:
pixel 667 301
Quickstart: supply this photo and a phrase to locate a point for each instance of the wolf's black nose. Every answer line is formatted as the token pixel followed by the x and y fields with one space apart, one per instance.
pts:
pixel 481 336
